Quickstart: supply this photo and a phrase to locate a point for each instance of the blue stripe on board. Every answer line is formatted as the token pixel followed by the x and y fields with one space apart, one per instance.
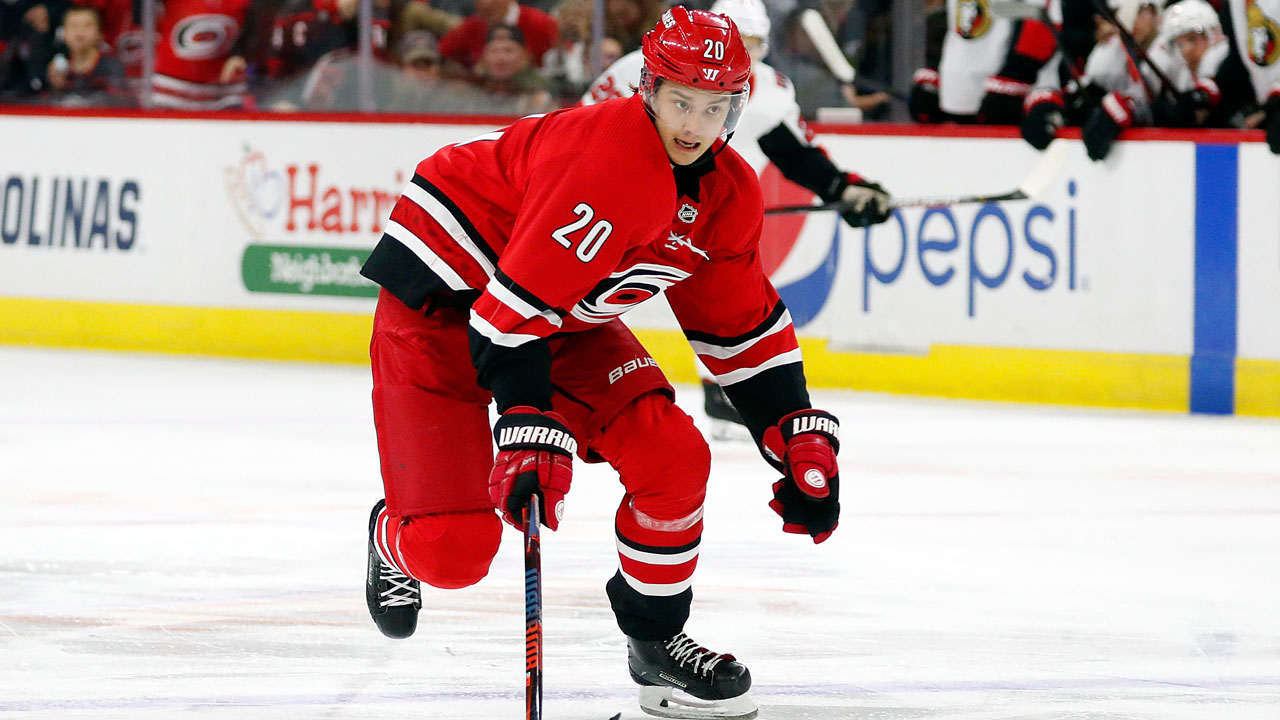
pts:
pixel 1214 348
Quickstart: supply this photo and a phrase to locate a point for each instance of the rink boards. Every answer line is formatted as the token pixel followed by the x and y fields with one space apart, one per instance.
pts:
pixel 1148 281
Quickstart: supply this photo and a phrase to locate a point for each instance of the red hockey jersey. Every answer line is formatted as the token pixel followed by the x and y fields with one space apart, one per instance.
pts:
pixel 560 222
pixel 196 38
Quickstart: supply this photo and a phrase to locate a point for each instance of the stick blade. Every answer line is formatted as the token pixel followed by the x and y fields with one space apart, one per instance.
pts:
pixel 1051 163
pixel 816 28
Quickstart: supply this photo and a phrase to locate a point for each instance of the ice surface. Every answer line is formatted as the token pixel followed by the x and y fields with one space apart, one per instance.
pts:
pixel 187 536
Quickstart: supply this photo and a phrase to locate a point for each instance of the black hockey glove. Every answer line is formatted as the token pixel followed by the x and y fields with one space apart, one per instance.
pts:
pixel 1082 101
pixel 1002 105
pixel 1043 118
pixel 1104 125
pixel 808 496
pixel 922 102
pixel 1191 108
pixel 870 201
pixel 1272 122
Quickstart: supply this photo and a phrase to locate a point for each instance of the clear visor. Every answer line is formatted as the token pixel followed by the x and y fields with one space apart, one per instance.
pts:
pixel 693 111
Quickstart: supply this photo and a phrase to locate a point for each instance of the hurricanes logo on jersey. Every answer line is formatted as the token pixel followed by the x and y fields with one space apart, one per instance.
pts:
pixel 204 37
pixel 624 290
pixel 1264 36
pixel 973 18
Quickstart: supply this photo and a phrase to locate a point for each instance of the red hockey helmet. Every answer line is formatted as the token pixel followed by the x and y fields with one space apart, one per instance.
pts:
pixel 701 50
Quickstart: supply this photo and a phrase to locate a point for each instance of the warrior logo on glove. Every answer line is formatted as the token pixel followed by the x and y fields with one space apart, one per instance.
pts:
pixel 808 496
pixel 535 457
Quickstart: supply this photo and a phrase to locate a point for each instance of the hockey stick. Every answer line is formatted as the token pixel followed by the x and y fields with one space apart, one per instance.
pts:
pixel 1138 55
pixel 1050 164
pixel 816 28
pixel 533 611
pixel 837 64
pixel 1013 10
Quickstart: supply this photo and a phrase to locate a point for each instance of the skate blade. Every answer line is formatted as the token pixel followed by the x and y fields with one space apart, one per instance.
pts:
pixel 664 702
pixel 726 431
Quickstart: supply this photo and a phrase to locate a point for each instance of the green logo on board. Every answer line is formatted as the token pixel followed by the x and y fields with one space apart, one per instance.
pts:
pixel 297 270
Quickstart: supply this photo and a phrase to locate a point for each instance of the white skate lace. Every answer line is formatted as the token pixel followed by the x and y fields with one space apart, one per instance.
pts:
pixel 683 649
pixel 400 589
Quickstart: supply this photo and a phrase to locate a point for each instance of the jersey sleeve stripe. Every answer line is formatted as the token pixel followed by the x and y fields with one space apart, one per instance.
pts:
pixel 722 352
pixel 496 336
pixel 657 558
pixel 518 290
pixel 758 331
pixel 434 262
pixel 637 548
pixel 656 589
pixel 734 376
pixel 508 295
pixel 446 213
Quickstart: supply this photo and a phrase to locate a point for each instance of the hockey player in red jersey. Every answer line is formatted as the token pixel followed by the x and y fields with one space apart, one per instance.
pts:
pixel 197 64
pixel 504 268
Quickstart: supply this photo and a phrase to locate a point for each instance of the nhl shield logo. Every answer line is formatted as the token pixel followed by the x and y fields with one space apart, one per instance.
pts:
pixel 688 213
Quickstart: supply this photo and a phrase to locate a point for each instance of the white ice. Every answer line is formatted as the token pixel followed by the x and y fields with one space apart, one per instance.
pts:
pixel 187 536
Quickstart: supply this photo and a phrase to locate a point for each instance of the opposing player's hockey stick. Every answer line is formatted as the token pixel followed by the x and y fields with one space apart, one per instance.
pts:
pixel 533 611
pixel 1013 10
pixel 1051 162
pixel 1138 55
pixel 816 28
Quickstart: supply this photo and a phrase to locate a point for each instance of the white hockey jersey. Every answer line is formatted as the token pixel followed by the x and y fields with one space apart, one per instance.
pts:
pixel 974 49
pixel 1257 37
pixel 1164 53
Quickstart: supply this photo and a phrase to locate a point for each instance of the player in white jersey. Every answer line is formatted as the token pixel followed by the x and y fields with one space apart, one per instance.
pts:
pixel 1196 50
pixel 988 66
pixel 1110 94
pixel 1255 25
pixel 769 130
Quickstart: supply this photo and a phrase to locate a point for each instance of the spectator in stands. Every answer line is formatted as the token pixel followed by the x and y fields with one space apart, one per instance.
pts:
pixel 565 65
pixel 628 20
pixel 466 43
pixel 122 34
pixel 302 31
pixel 26 44
pixel 421 87
pixel 84 75
pixel 423 15
pixel 199 62
pixel 506 72
pixel 798 60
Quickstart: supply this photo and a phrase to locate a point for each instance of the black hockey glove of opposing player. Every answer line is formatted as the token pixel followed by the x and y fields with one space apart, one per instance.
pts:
pixel 1002 105
pixel 1042 119
pixel 1104 125
pixel 535 455
pixel 870 201
pixel 1272 122
pixel 922 101
pixel 808 496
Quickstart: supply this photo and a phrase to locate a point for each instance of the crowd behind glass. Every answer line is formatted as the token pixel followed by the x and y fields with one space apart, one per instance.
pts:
pixel 500 57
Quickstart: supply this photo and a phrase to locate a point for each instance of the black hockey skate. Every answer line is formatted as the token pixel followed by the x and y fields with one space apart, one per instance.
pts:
pixel 681 679
pixel 394 598
pixel 726 422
